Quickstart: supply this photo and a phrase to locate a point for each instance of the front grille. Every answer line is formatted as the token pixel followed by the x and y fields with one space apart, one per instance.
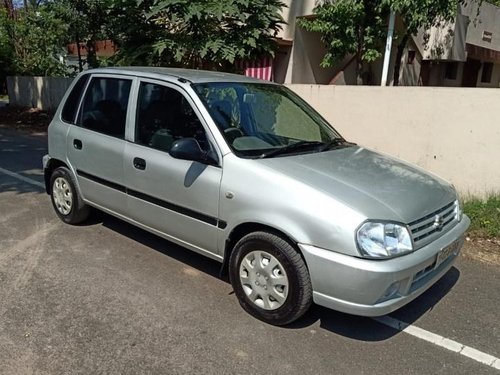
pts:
pixel 425 230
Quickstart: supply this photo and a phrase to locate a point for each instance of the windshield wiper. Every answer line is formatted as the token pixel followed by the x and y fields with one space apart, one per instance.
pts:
pixel 294 147
pixel 336 143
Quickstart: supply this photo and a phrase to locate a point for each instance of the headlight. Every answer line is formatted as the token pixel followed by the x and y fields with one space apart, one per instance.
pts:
pixel 383 240
pixel 458 211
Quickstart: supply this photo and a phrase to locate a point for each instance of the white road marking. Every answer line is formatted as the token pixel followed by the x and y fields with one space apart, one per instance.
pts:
pixel 441 341
pixel 22 178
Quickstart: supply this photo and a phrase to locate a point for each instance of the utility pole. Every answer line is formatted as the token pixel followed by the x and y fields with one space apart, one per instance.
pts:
pixel 388 49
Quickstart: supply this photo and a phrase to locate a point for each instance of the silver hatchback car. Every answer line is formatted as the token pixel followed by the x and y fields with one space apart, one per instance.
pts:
pixel 248 174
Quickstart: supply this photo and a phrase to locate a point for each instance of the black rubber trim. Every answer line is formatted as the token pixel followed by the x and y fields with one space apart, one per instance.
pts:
pixel 102 181
pixel 156 201
pixel 173 207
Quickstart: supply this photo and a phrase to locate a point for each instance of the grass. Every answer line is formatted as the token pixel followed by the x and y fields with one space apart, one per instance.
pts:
pixel 484 215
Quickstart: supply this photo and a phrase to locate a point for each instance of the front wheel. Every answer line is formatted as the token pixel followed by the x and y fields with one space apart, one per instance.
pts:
pixel 270 278
pixel 67 202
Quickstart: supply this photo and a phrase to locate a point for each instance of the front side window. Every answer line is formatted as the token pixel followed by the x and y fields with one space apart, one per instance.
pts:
pixel 261 120
pixel 163 116
pixel 104 107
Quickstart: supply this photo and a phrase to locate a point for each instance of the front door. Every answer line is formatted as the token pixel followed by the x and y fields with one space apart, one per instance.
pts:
pixel 96 143
pixel 471 73
pixel 178 198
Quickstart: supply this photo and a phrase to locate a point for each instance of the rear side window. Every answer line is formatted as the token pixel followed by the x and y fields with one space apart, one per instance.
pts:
pixel 71 106
pixel 105 106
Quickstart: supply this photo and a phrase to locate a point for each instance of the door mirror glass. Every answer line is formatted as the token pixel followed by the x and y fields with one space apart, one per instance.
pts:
pixel 189 149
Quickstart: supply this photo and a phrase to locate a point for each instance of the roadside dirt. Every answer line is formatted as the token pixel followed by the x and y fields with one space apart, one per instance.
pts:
pixel 30 120
pixel 483 250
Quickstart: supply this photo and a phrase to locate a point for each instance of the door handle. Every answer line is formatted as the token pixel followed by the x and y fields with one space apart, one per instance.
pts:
pixel 77 144
pixel 139 163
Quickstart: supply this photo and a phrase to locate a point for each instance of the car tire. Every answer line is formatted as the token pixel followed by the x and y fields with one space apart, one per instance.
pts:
pixel 66 200
pixel 270 278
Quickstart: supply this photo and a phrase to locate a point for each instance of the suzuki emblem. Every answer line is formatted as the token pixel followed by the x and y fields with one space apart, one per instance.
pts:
pixel 438 222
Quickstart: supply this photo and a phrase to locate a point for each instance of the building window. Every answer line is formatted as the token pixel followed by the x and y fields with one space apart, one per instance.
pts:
pixel 487 72
pixel 451 71
pixel 411 57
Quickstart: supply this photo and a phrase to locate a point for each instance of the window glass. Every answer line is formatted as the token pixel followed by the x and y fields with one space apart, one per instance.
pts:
pixel 71 106
pixel 164 116
pixel 257 117
pixel 225 107
pixel 105 106
pixel 282 117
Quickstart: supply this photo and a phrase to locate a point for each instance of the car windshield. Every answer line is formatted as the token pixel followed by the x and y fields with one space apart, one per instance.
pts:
pixel 264 120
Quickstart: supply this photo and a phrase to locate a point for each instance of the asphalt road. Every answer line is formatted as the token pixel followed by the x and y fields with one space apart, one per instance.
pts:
pixel 108 298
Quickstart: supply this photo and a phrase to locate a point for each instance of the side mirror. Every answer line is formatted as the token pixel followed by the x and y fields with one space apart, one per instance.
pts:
pixel 189 149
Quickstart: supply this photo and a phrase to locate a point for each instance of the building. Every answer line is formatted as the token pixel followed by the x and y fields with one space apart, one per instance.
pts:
pixel 463 53
pixel 472 57
pixel 103 49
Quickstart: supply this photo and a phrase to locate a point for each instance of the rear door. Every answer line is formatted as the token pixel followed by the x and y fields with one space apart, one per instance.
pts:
pixel 95 145
pixel 178 198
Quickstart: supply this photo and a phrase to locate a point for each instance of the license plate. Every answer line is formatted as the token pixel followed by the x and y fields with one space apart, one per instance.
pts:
pixel 444 254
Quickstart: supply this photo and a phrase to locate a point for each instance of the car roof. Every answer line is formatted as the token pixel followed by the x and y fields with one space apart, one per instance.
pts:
pixel 191 75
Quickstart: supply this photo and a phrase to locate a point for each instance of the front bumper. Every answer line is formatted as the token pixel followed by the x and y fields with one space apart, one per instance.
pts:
pixel 377 287
pixel 46 174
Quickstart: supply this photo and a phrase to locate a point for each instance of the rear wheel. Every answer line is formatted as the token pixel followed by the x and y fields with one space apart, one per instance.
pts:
pixel 270 278
pixel 67 202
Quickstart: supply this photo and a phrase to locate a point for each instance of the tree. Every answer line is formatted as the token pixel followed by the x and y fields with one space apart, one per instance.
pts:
pixel 359 26
pixel 87 21
pixel 8 5
pixel 349 27
pixel 6 47
pixel 133 32
pixel 38 39
pixel 211 33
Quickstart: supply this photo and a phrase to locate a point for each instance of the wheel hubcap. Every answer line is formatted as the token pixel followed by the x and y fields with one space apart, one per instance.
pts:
pixel 61 193
pixel 264 280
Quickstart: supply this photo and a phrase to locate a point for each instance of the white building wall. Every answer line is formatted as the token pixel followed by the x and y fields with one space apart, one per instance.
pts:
pixel 488 19
pixel 294 9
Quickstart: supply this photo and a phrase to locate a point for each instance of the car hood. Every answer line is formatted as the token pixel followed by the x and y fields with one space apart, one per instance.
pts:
pixel 375 185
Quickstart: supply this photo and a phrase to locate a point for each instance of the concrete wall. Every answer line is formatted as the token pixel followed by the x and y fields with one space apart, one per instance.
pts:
pixel 37 92
pixel 453 132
